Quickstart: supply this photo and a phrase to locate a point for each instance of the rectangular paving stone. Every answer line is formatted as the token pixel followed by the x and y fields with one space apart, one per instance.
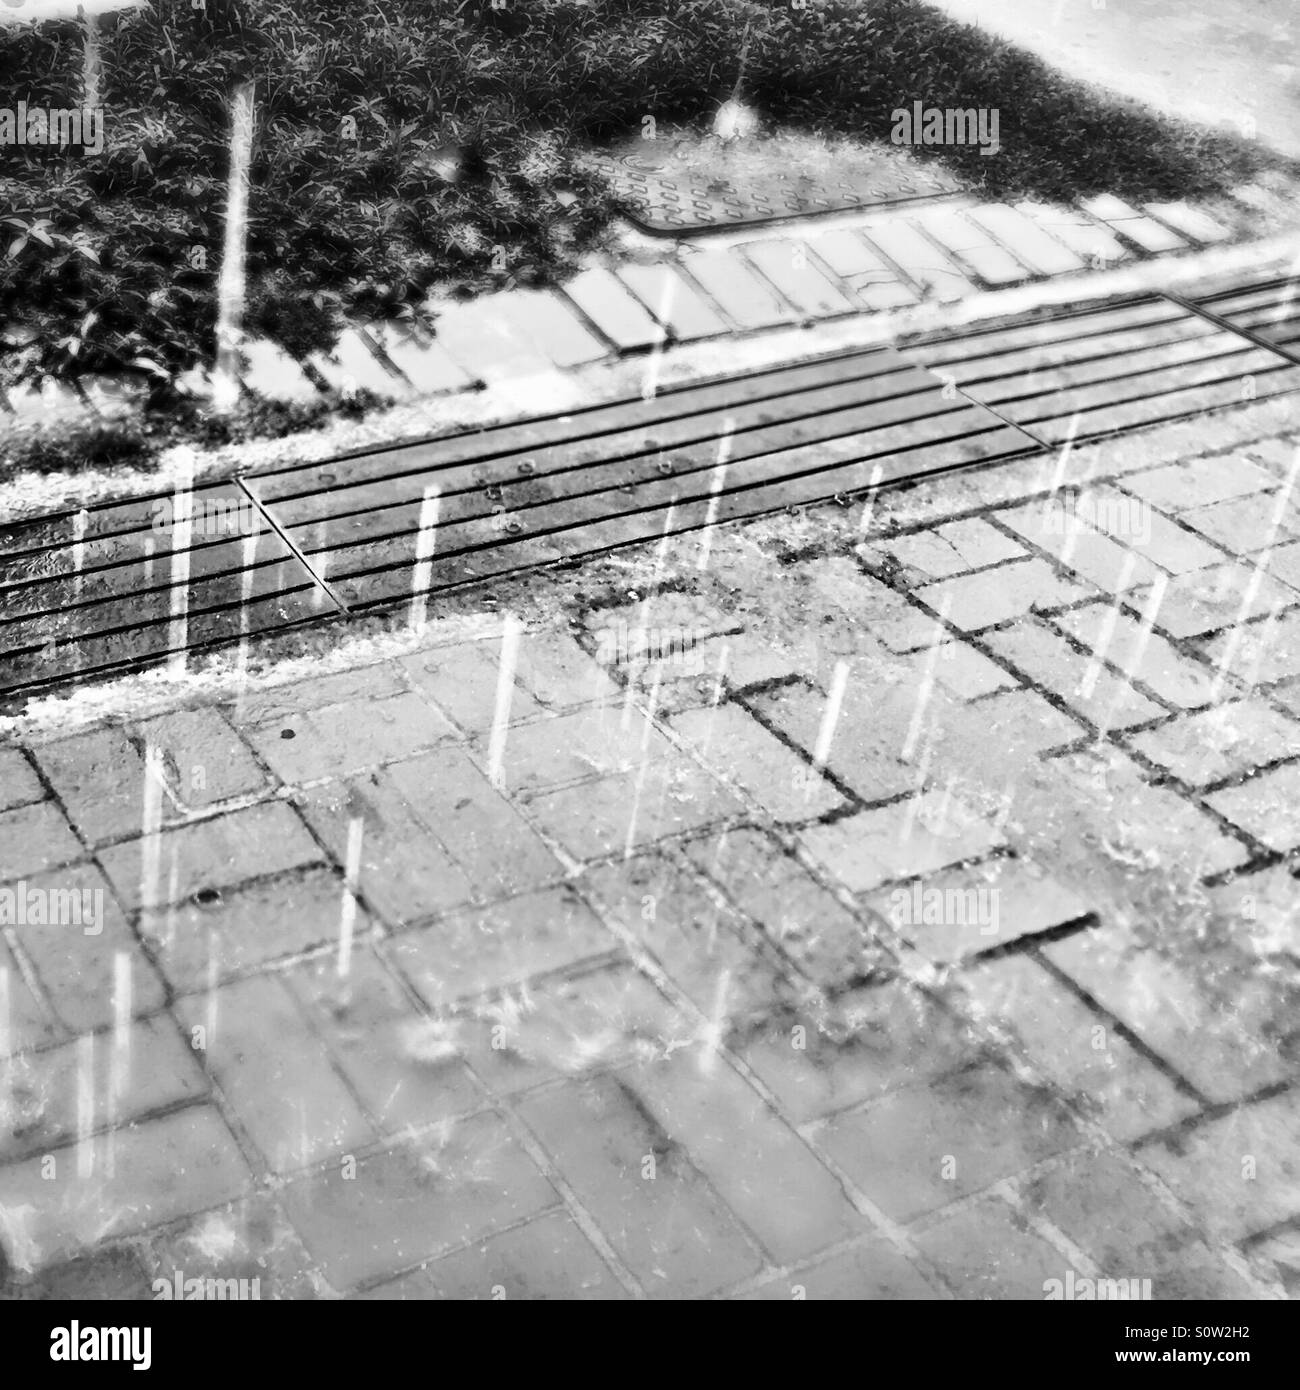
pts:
pixel 246 928
pixel 151 1069
pixel 1268 806
pixel 24 1024
pixel 973 245
pixel 19 784
pixel 1076 546
pixel 483 344
pixel 549 320
pixel 800 917
pixel 100 778
pixel 956 547
pixel 484 949
pixel 212 854
pixel 1177 487
pixel 1093 242
pixel 986 1251
pixel 274 1073
pixel 672 300
pixel 1192 222
pixel 1217 1041
pixel 499 852
pixel 558 673
pixel 814 294
pixel 1225 597
pixel 871 1040
pixel 1240 1172
pixel 34 838
pixel 382 1044
pixel 992 596
pixel 546 1259
pixel 271 373
pixel 1026 239
pixel 339 739
pixel 933 272
pixel 1094 1065
pixel 1024 724
pixel 874 282
pixel 759 1166
pixel 1245 525
pixel 743 297
pixel 733 742
pixel 1145 657
pixel 463 681
pixel 80 970
pixel 165 1169
pixel 206 761
pixel 1108 1211
pixel 416 1200
pixel 869 1270
pixel 1047 659
pixel 879 845
pixel 1162 541
pixel 915 1150
pixel 1125 219
pixel 664 1221
pixel 422 360
pixel 1219 743
pixel 618 315
pixel 292 698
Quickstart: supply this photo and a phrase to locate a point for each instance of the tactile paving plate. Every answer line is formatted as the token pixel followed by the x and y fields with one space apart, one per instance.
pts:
pixel 665 203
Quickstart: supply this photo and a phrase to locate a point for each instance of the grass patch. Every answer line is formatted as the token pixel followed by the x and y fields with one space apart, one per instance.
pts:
pixel 404 145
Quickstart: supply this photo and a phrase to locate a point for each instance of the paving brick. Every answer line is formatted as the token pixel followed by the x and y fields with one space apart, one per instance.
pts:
pixel 956 547
pixel 1284 564
pixel 934 273
pixel 1093 242
pixel 673 300
pixel 1144 656
pixel 1144 231
pixel 1026 239
pixel 619 316
pixel 874 282
pixel 863 1044
pixel 1076 546
pixel 880 845
pixel 274 1073
pixel 1024 724
pixel 664 1221
pixel 1279 1255
pixel 759 1166
pixel 19 784
pixel 1239 1173
pixel 891 620
pixel 1268 806
pixel 350 366
pixel 43 1091
pixel 250 1239
pixel 482 949
pixel 206 761
pixel 477 826
pixel 958 913
pixel 293 698
pixel 545 1259
pixel 200 943
pixel 1219 1034
pixel 993 596
pixel 1261 653
pixel 917 1149
pixel 1226 741
pixel 405 873
pixel 730 740
pixel 1262 909
pixel 483 344
pixel 559 673
pixel 212 854
pixel 24 1023
pixel 1245 524
pixel 100 778
pixel 79 971
pixel 1225 596
pixel 463 681
pixel 1108 1211
pixel 162 1170
pixel 959 668
pixel 1085 686
pixel 1135 522
pixel 814 294
pixel 1192 222
pixel 707 950
pixel 34 838
pixel 601 741
pixel 548 318
pixel 1178 487
pixel 739 660
pixel 632 809
pixel 339 739
pixel 422 360
pixel 454 1186
pixel 271 373
pixel 1095 1067
pixel 381 1044
pixel 988 1251
pixel 109 1274
pixel 797 914
pixel 742 295
pixel 974 246
pixel 870 1270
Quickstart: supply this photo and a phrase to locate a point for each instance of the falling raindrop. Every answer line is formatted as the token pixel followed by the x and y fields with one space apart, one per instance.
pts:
pixel 510 631
pixel 351 878
pixel 426 539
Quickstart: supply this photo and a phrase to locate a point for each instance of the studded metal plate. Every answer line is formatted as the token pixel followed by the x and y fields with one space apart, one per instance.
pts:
pixel 665 202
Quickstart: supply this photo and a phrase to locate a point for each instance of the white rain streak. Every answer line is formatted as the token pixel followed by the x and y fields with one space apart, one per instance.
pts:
pixel 151 832
pixel 119 1059
pixel 182 530
pixel 716 1027
pixel 348 909
pixel 425 542
pixel 717 482
pixel 511 628
pixel 85 1105
pixel 869 506
pixel 830 721
pixel 231 282
pixel 1150 612
pixel 1092 673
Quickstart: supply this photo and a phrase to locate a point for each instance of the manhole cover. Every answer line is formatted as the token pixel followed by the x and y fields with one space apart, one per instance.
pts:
pixel 679 188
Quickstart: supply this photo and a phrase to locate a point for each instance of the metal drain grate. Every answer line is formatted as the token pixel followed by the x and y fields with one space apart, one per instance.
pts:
pixel 667 203
pixel 1106 368
pixel 1270 309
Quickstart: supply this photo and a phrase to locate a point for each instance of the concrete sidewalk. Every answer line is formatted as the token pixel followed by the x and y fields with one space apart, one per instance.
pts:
pixel 885 902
